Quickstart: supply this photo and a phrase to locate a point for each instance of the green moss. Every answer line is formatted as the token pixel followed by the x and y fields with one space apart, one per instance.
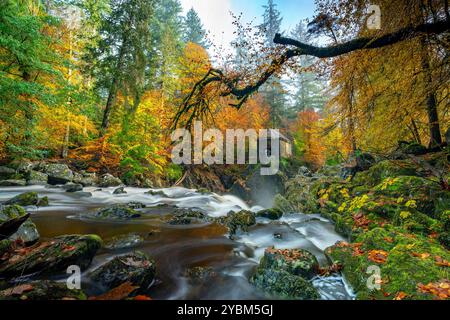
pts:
pixel 11 212
pixel 272 214
pixel 24 199
pixel 410 261
pixel 385 169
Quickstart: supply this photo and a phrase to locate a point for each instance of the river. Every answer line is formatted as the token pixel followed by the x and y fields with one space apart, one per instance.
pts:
pixel 176 248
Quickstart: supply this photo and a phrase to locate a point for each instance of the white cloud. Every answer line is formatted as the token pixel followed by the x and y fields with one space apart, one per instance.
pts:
pixel 216 18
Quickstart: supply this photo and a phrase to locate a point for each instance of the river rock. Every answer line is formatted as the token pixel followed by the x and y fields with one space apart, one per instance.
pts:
pixel 241 220
pixel 272 214
pixel 86 179
pixel 108 180
pixel 156 193
pixel 53 256
pixel 24 199
pixel 43 202
pixel 23 165
pixel 36 178
pixel 136 268
pixel 27 233
pixel 124 241
pixel 136 205
pixel 72 187
pixel 13 183
pixel 120 190
pixel 42 290
pixel 282 284
pixel 11 219
pixel 298 262
pixel 6 173
pixel 58 173
pixel 197 274
pixel 117 212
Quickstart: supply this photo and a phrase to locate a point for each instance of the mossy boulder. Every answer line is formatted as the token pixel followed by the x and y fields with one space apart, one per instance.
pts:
pixel 53 256
pixel 6 173
pixel 13 183
pixel 136 268
pixel 36 178
pixel 24 199
pixel 236 221
pixel 385 169
pixel 116 212
pixel 43 202
pixel 42 290
pixel 406 261
pixel 272 214
pixel 11 212
pixel 119 190
pixel 282 284
pixel 72 187
pixel 58 173
pixel 108 180
pixel 295 261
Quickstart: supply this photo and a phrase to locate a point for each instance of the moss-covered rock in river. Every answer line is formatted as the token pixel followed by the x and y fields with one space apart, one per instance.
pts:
pixel 282 284
pixel 272 214
pixel 42 290
pixel 124 241
pixel 295 261
pixel 136 268
pixel 116 212
pixel 27 233
pixel 406 261
pixel 285 273
pixel 24 199
pixel 51 257
pixel 58 173
pixel 236 221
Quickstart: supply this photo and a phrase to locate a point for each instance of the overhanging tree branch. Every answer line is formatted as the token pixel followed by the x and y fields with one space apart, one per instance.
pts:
pixel 195 101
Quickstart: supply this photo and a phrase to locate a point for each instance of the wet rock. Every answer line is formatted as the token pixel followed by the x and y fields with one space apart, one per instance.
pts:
pixel 197 274
pixel 283 204
pixel 282 284
pixel 11 219
pixel 23 166
pixel 156 193
pixel 241 220
pixel 13 183
pixel 42 290
pixel 24 199
pixel 187 216
pixel 86 179
pixel 124 241
pixel 6 173
pixel 117 212
pixel 27 233
pixel 58 173
pixel 136 205
pixel 295 261
pixel 136 268
pixel 120 190
pixel 43 202
pixel 108 180
pixel 72 187
pixel 272 214
pixel 52 257
pixel 36 178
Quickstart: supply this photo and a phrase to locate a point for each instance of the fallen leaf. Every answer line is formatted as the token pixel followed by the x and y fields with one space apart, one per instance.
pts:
pixel 142 298
pixel 400 296
pixel 378 256
pixel 440 289
pixel 18 290
pixel 118 293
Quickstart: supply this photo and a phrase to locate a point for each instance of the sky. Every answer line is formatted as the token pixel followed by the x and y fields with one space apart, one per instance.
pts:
pixel 216 18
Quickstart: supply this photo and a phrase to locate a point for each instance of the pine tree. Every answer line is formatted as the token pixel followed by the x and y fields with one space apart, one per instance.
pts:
pixel 193 29
pixel 309 90
pixel 273 89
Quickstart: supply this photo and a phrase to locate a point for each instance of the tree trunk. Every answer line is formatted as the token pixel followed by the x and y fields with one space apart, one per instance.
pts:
pixel 431 103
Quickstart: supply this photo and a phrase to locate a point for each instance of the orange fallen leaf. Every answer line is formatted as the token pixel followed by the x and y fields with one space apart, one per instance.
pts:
pixel 142 298
pixel 440 289
pixel 400 296
pixel 378 256
pixel 118 293
pixel 422 256
pixel 441 262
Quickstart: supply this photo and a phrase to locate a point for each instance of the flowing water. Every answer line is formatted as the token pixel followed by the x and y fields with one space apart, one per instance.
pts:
pixel 176 248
